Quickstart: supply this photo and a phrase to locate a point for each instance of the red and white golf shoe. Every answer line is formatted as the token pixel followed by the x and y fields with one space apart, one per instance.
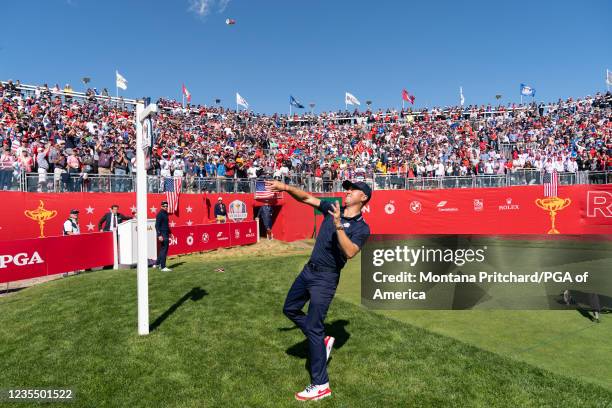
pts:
pixel 329 345
pixel 314 393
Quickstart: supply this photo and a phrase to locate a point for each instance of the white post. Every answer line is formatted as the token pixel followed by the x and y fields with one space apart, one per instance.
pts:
pixel 141 227
pixel 115 249
pixel 257 221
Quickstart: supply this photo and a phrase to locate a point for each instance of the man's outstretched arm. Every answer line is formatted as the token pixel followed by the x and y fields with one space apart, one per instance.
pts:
pixel 295 192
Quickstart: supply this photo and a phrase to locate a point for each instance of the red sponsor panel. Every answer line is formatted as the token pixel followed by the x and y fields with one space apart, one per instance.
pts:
pixel 183 240
pixel 23 259
pixel 208 236
pixel 243 233
pixel 32 258
pixel 584 209
pixel 76 252
pixel 220 234
pixel 196 238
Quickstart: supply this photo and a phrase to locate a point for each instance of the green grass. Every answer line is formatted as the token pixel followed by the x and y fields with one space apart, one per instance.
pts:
pixel 221 341
pixel 564 342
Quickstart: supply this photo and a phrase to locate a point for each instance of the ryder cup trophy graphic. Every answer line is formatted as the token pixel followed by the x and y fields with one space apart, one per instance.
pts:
pixel 553 205
pixel 40 215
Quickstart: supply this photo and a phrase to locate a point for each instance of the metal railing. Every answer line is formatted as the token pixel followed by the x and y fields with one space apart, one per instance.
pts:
pixel 95 183
pixel 32 89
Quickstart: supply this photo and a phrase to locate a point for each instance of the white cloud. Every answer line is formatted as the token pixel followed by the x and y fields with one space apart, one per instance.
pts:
pixel 223 5
pixel 202 8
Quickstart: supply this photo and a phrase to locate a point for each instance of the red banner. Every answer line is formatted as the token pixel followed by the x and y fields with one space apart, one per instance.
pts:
pixel 30 215
pixel 581 209
pixel 584 209
pixel 196 238
pixel 32 258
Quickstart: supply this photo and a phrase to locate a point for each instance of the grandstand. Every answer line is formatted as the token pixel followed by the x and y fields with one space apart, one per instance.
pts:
pixel 57 140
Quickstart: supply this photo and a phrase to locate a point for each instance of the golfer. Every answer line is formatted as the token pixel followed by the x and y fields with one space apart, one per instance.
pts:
pixel 342 234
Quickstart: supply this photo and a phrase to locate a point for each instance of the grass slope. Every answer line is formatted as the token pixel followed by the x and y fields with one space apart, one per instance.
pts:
pixel 220 340
pixel 564 342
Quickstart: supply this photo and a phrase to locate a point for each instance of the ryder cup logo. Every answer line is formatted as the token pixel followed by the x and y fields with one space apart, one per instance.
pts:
pixel 416 206
pixel 237 234
pixel 478 204
pixel 390 208
pixel 237 211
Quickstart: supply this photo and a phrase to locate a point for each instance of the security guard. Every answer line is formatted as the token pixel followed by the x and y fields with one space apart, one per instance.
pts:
pixel 220 211
pixel 71 225
pixel 162 228
pixel 265 213
pixel 342 234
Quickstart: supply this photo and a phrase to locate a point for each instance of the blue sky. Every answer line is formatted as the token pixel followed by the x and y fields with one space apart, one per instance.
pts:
pixel 315 50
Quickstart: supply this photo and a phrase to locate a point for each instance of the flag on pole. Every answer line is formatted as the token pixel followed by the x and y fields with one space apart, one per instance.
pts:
pixel 295 102
pixel 261 192
pixel 241 101
pixel 608 77
pixel 121 81
pixel 172 187
pixel 407 97
pixel 550 184
pixel 187 94
pixel 527 90
pixel 350 99
pixel 462 99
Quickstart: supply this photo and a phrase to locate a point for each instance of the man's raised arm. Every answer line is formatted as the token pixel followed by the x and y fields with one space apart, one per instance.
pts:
pixel 299 195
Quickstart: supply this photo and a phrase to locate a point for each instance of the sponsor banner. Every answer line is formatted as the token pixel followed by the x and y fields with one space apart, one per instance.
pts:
pixel 583 209
pixel 34 215
pixel 580 209
pixel 243 233
pixel 33 258
pixel 197 238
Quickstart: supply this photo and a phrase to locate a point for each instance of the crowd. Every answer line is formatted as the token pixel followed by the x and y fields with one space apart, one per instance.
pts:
pixel 65 140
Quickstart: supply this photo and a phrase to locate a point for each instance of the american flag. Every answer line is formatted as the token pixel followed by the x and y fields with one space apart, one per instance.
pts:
pixel 550 184
pixel 172 187
pixel 261 192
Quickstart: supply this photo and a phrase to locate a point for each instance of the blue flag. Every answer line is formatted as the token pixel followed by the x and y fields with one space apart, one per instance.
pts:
pixel 527 90
pixel 294 102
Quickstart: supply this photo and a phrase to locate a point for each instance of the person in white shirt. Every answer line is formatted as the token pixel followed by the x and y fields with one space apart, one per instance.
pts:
pixel 165 165
pixel 252 171
pixel 439 169
pixel 71 225
pixel 549 166
pixel 178 165
pixel 488 166
pixel 571 165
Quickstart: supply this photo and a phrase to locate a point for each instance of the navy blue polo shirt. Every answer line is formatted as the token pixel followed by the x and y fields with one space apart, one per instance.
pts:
pixel 327 251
